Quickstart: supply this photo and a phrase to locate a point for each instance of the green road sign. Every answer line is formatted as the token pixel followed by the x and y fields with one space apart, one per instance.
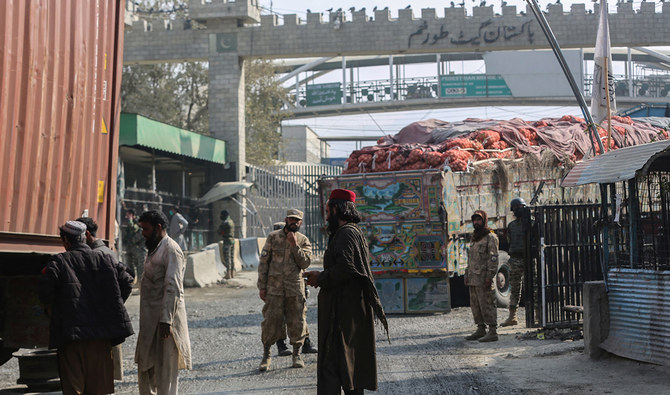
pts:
pixel 324 94
pixel 466 85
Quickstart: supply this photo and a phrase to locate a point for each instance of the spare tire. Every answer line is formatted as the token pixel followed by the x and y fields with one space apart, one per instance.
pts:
pixel 502 286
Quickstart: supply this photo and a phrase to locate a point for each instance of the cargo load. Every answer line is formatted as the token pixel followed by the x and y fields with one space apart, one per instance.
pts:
pixel 417 190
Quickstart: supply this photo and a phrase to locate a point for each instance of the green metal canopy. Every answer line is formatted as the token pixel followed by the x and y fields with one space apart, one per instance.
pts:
pixel 138 130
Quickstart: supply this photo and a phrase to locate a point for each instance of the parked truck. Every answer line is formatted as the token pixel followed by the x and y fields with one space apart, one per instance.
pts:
pixel 60 79
pixel 418 224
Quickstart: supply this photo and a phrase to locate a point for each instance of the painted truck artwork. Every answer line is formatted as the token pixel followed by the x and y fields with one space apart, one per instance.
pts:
pixel 392 294
pixel 427 295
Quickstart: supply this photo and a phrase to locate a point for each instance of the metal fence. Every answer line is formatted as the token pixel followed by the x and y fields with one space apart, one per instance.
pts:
pixel 278 188
pixel 638 235
pixel 566 252
pixel 199 232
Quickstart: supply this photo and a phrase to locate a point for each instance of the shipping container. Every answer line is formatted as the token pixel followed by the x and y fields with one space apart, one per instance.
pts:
pixel 60 65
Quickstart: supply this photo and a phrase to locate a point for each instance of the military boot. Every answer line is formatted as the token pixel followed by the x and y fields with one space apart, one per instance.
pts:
pixel 480 332
pixel 228 275
pixel 267 359
pixel 307 347
pixel 492 336
pixel 511 320
pixel 282 350
pixel 232 273
pixel 297 360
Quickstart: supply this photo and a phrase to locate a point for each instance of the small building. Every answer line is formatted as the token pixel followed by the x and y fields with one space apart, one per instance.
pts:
pixel 163 167
pixel 635 220
pixel 301 144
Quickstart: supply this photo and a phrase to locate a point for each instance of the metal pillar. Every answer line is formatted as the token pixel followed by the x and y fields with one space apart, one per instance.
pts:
pixel 391 76
pixel 344 80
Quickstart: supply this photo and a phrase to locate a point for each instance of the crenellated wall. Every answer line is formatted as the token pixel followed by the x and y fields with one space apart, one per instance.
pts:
pixel 361 33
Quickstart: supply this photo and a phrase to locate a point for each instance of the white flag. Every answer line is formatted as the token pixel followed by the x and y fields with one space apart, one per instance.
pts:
pixel 601 82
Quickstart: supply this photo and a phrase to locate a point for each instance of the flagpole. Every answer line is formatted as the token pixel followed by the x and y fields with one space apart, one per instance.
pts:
pixel 609 111
pixel 544 25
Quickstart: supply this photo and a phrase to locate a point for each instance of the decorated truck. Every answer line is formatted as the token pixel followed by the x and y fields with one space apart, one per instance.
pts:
pixel 416 193
pixel 60 83
pixel 418 223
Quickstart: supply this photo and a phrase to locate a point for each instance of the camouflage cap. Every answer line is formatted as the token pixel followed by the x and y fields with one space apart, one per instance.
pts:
pixel 294 213
pixel 278 225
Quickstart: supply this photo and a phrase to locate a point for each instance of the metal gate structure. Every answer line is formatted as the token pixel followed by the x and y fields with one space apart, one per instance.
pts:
pixel 566 251
pixel 278 188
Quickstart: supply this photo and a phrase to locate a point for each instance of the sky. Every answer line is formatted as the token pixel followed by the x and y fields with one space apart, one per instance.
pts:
pixel 377 124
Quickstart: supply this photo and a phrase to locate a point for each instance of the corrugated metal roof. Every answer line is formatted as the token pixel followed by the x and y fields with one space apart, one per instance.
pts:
pixel 639 306
pixel 138 130
pixel 618 165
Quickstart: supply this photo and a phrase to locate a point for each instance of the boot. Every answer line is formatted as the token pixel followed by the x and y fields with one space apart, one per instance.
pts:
pixel 282 350
pixel 307 347
pixel 480 332
pixel 232 273
pixel 297 361
pixel 267 359
pixel 492 336
pixel 511 320
pixel 228 276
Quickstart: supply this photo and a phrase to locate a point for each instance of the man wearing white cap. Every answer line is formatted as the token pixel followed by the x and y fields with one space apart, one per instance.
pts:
pixel 285 255
pixel 83 291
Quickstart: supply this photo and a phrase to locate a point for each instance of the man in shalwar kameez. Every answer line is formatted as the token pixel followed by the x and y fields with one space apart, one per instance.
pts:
pixel 348 304
pixel 163 345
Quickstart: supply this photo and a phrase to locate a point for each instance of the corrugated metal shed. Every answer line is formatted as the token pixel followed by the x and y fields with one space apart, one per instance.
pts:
pixel 619 165
pixel 60 65
pixel 639 304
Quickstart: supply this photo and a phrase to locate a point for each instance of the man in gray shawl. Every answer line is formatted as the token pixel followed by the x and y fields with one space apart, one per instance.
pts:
pixel 348 303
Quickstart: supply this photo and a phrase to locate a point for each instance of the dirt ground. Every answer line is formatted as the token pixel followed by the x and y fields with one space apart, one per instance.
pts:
pixel 427 355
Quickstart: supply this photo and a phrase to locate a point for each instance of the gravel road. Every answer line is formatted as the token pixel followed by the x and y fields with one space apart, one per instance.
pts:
pixel 427 355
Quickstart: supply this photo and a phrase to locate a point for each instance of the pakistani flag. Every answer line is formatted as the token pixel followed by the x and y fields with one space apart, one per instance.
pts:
pixel 602 81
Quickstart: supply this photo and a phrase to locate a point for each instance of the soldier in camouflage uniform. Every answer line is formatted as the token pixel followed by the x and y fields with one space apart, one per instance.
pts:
pixel 479 275
pixel 307 346
pixel 285 255
pixel 517 260
pixel 133 244
pixel 226 230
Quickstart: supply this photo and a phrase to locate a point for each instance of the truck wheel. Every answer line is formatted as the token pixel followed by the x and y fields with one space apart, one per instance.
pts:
pixel 502 281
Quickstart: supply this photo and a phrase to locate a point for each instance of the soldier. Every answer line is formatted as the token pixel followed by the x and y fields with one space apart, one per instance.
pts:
pixel 133 244
pixel 226 230
pixel 307 347
pixel 517 259
pixel 482 268
pixel 285 255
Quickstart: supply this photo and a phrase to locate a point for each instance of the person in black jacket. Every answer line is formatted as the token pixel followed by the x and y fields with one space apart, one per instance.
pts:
pixel 83 292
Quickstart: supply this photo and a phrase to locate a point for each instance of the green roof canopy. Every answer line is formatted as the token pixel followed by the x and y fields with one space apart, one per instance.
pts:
pixel 138 130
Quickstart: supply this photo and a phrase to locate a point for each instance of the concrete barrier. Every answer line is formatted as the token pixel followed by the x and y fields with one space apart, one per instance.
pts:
pixel 201 269
pixel 248 253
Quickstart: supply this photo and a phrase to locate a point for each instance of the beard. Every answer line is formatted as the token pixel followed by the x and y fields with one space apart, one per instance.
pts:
pixel 332 222
pixel 480 232
pixel 292 227
pixel 152 242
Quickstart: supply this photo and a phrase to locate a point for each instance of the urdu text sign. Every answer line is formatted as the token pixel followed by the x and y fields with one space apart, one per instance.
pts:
pixel 473 85
pixel 324 94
